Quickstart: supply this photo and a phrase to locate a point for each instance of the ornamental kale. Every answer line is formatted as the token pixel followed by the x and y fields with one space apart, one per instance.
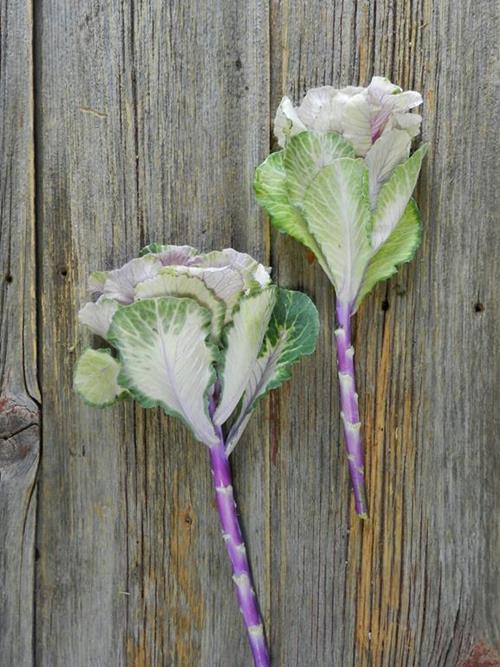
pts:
pixel 204 337
pixel 342 186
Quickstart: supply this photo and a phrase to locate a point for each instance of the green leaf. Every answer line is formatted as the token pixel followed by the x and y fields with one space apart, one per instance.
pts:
pixel 152 248
pixel 272 194
pixel 97 280
pixel 97 316
pixel 169 283
pixel 292 333
pixel 305 155
pixel 160 249
pixel 96 378
pixel 229 274
pixel 394 196
pixel 242 342
pixel 390 150
pixel 337 210
pixel 120 283
pixel 399 248
pixel 166 359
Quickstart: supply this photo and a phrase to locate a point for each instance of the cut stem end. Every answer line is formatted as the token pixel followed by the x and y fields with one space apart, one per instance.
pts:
pixel 235 547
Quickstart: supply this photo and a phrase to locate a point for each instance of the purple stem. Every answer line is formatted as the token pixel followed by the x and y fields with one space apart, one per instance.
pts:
pixel 235 545
pixel 349 407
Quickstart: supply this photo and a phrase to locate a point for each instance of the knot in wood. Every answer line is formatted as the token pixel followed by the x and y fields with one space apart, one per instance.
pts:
pixel 19 435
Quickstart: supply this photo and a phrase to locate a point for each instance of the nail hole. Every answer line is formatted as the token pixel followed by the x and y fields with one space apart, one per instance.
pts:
pixel 64 273
pixel 479 307
pixel 385 305
pixel 188 519
pixel 8 278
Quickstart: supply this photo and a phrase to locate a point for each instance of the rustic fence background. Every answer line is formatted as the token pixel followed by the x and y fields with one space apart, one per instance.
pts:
pixel 125 122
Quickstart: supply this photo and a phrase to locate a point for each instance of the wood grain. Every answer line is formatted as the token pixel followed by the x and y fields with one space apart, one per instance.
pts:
pixel 145 121
pixel 19 395
pixel 415 585
pixel 151 118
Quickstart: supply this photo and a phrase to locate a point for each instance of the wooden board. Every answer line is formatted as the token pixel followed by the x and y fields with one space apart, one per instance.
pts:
pixel 19 394
pixel 149 119
pixel 415 585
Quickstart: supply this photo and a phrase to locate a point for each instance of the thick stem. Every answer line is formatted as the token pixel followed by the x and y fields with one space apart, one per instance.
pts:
pixel 349 407
pixel 233 539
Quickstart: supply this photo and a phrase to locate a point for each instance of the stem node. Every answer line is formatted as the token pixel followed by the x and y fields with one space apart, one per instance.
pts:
pixel 235 546
pixel 349 407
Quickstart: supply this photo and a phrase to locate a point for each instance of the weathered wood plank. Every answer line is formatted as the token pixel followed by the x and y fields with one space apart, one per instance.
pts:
pixel 19 396
pixel 151 117
pixel 86 167
pixel 416 584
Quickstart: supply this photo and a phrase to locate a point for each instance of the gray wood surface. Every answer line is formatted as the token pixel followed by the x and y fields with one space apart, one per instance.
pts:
pixel 19 395
pixel 145 121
